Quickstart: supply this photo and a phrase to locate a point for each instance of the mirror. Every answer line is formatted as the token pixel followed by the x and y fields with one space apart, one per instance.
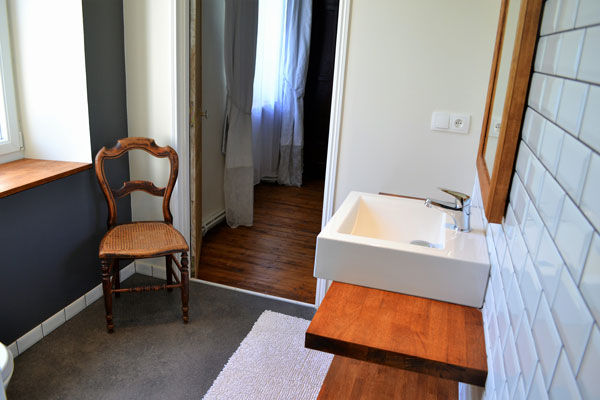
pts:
pixel 506 101
pixel 497 106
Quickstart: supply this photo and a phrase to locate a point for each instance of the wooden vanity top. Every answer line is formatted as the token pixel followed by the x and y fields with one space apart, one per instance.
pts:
pixel 412 333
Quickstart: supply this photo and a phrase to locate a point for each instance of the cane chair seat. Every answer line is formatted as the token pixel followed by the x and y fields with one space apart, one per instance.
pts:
pixel 142 240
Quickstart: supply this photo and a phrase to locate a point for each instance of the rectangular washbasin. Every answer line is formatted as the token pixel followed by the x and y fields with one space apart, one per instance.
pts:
pixel 398 244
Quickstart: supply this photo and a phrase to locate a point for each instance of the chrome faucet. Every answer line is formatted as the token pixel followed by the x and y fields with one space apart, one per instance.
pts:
pixel 462 206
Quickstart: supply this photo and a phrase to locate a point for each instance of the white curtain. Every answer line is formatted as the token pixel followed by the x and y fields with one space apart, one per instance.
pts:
pixel 241 22
pixel 266 103
pixel 296 46
pixel 277 110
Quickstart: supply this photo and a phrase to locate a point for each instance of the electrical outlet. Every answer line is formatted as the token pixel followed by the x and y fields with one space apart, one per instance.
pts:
pixel 459 123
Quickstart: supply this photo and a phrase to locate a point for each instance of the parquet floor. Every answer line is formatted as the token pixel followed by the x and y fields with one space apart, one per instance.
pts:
pixel 276 255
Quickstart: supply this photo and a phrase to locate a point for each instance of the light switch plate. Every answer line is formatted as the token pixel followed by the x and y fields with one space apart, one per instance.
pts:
pixel 440 121
pixel 450 122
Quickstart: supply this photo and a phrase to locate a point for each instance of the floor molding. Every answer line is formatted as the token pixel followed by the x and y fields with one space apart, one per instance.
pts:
pixel 45 328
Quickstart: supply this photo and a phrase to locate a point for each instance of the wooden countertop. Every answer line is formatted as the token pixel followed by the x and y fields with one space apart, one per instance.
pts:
pixel 407 332
pixel 16 176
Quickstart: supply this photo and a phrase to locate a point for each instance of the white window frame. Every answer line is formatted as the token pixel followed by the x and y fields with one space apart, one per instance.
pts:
pixel 11 146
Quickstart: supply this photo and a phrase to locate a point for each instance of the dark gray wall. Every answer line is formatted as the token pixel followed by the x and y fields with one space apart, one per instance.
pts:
pixel 49 235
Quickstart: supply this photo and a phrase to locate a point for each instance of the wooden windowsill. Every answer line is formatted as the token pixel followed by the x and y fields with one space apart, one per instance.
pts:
pixel 421 335
pixel 20 175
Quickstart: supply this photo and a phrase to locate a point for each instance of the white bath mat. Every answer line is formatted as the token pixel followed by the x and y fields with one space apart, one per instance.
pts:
pixel 272 363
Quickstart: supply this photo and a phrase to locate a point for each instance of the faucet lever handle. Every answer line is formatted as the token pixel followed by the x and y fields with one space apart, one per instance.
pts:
pixel 461 197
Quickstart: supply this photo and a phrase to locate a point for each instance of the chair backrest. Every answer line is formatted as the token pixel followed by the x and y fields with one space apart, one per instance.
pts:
pixel 121 148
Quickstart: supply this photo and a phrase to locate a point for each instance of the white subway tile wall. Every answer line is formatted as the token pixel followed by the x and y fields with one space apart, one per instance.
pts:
pixel 543 303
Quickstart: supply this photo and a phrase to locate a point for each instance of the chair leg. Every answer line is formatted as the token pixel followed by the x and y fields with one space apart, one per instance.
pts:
pixel 184 287
pixel 169 268
pixel 116 276
pixel 106 286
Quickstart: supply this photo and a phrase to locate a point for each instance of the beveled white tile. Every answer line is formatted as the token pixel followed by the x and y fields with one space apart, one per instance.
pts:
pixel 520 391
pixel 573 320
pixel 532 229
pixel 589 131
pixel 518 200
pixel 14 349
pixel 566 15
pixel 500 246
pixel 29 339
pixel 551 96
pixel 502 318
pixel 549 17
pixel 496 279
pixel 573 165
pixel 499 376
pixel 590 198
pixel 527 123
pixel 509 224
pixel 563 384
pixel 590 280
pixel 533 179
pixel 518 253
pixel 588 13
pixel 511 364
pixel 573 237
pixel 535 131
pixel 127 272
pixel 526 350
pixel 536 91
pixel 587 378
pixel 493 333
pixel 53 322
pixel 539 55
pixel 531 289
pixel 506 272
pixel 504 393
pixel 523 160
pixel 572 104
pixel 538 390
pixel 548 265
pixel 547 340
pixel 550 202
pixel 516 309
pixel 569 53
pixel 550 60
pixel 589 66
pixel 93 295
pixel 75 307
pixel 551 144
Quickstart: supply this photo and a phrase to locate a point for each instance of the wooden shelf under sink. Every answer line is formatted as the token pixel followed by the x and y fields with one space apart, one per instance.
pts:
pixel 425 336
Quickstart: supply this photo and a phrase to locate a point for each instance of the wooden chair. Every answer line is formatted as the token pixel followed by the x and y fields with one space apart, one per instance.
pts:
pixel 138 240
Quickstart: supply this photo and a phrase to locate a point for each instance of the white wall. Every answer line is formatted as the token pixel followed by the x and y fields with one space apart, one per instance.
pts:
pixel 50 78
pixel 213 100
pixel 406 59
pixel 148 48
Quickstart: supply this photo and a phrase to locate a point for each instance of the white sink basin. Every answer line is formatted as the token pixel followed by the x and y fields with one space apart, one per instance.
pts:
pixel 398 244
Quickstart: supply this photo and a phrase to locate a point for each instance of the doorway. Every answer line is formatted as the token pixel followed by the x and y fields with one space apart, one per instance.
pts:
pixel 275 256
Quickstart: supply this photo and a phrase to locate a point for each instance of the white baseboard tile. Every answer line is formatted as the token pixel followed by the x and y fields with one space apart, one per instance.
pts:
pixel 128 271
pixel 159 272
pixel 54 322
pixel 143 268
pixel 93 295
pixel 75 307
pixel 268 296
pixel 29 339
pixel 37 333
pixel 13 349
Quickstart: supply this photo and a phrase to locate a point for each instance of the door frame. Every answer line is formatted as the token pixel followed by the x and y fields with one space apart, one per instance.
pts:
pixel 335 125
pixel 180 76
pixel 180 130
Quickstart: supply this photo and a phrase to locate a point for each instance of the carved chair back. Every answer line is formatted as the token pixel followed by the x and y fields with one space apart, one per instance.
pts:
pixel 121 148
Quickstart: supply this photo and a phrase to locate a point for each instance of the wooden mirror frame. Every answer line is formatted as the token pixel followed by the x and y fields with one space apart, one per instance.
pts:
pixel 495 187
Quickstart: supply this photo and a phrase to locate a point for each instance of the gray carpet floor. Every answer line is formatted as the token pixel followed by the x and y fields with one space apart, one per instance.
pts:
pixel 151 354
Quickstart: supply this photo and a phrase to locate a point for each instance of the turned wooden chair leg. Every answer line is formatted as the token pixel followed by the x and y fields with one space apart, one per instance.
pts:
pixel 169 268
pixel 116 276
pixel 184 286
pixel 106 286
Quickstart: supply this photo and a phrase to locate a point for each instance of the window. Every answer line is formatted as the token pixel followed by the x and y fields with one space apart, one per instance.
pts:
pixel 10 137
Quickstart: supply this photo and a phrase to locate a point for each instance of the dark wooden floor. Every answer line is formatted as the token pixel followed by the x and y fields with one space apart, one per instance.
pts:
pixel 276 255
